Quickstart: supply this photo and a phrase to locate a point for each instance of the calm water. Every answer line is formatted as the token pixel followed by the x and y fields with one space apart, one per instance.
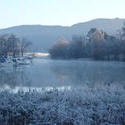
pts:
pixel 60 73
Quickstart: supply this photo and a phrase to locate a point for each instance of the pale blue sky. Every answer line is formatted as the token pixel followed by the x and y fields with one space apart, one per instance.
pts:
pixel 57 12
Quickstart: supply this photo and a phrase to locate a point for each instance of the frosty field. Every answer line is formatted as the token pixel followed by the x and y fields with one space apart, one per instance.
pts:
pixel 103 105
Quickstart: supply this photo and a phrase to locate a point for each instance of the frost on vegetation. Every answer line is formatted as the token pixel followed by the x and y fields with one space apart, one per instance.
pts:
pixel 84 106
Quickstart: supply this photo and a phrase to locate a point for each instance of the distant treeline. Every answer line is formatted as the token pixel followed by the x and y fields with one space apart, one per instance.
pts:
pixel 12 45
pixel 97 44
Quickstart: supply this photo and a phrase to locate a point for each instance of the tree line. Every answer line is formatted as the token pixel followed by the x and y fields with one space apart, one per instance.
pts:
pixel 97 44
pixel 12 45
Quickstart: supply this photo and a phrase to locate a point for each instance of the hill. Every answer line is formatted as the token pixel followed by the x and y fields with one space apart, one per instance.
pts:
pixel 43 37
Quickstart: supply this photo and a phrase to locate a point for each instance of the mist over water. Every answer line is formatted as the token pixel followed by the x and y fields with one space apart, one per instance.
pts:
pixel 44 73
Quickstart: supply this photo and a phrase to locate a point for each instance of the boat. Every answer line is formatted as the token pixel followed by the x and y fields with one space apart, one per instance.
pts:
pixel 10 62
pixel 21 61
pixel 6 62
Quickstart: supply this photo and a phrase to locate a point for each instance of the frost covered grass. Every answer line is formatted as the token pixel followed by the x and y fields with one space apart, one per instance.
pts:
pixel 79 106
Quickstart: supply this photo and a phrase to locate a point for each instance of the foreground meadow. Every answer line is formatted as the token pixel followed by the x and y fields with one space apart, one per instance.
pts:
pixel 103 105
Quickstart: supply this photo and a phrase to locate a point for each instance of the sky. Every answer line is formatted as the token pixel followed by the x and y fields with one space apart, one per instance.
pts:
pixel 57 12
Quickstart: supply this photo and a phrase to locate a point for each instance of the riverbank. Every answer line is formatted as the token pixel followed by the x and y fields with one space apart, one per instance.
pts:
pixel 81 106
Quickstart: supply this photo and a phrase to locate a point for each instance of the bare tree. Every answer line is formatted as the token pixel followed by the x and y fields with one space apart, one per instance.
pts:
pixel 24 44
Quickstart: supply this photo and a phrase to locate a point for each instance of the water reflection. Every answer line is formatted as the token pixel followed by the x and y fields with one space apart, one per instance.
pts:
pixel 13 76
pixel 59 73
pixel 80 72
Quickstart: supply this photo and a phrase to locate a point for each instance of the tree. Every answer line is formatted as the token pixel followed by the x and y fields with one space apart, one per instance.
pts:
pixel 96 40
pixel 12 45
pixel 97 44
pixel 121 38
pixel 24 44
pixel 3 45
pixel 77 47
pixel 59 50
pixel 123 31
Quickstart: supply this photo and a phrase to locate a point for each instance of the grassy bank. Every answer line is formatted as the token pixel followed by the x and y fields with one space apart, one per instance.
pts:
pixel 81 106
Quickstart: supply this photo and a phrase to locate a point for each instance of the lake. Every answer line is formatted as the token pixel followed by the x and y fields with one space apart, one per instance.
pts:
pixel 45 72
